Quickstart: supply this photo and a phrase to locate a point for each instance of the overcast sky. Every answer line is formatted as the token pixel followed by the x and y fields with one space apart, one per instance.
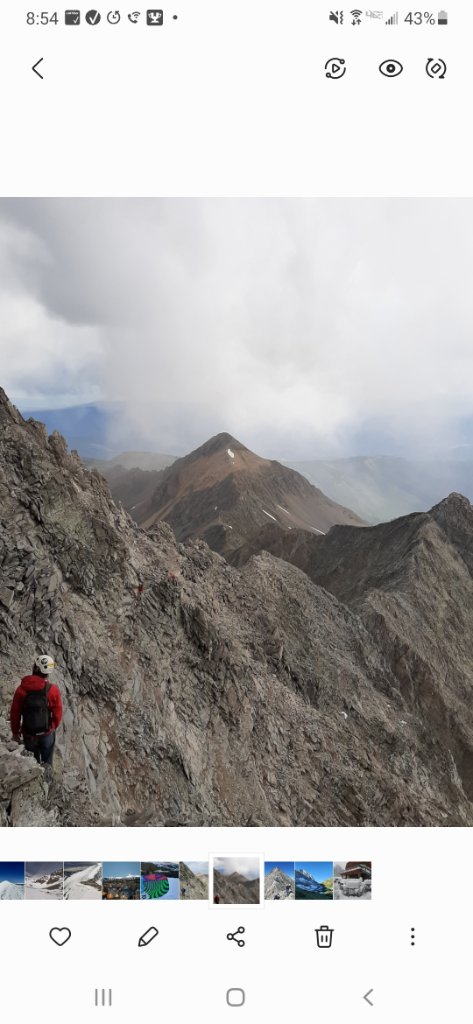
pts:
pixel 297 325
pixel 247 866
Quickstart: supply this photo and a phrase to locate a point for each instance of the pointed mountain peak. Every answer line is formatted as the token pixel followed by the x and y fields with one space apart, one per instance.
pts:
pixel 453 505
pixel 217 444
pixel 7 410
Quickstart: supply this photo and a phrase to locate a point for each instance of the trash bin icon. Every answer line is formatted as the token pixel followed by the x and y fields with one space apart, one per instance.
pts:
pixel 324 936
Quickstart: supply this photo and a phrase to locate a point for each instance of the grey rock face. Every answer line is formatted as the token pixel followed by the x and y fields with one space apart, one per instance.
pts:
pixel 196 693
pixel 235 888
pixel 24 791
pixel 278 886
pixel 192 886
pixel 410 584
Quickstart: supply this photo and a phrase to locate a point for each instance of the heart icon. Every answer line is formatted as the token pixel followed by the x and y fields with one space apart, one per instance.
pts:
pixel 60 935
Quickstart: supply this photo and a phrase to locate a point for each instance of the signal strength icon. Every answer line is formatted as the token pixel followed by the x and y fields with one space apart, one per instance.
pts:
pixel 394 20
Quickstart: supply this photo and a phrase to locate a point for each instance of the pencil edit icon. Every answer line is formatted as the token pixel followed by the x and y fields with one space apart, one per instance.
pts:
pixel 147 937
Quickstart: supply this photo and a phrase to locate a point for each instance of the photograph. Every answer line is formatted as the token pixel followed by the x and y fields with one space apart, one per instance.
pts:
pixel 236 880
pixel 160 881
pixel 279 880
pixel 352 879
pixel 12 880
pixel 44 880
pixel 82 880
pixel 236 464
pixel 314 880
pixel 194 880
pixel 121 880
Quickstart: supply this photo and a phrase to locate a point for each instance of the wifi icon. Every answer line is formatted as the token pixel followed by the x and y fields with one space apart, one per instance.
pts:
pixel 134 17
pixel 356 15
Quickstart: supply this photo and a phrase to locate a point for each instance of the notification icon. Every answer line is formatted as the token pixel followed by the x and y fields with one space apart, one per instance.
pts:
pixel 93 17
pixel 154 17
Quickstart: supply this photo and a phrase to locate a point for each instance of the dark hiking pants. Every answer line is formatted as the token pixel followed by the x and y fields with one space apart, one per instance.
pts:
pixel 42 747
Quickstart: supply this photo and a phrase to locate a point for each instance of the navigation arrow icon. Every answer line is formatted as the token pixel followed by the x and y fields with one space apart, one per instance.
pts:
pixel 367 997
pixel 35 68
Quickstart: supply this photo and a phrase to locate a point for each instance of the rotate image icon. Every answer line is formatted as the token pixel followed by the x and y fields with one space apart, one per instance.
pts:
pixel 436 68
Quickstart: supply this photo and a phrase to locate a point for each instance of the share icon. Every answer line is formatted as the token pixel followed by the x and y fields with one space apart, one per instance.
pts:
pixel 233 935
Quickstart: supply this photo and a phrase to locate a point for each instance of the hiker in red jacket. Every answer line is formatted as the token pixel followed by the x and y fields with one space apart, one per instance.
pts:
pixel 36 711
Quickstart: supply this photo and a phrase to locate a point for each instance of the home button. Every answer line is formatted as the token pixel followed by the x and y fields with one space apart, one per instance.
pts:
pixel 235 997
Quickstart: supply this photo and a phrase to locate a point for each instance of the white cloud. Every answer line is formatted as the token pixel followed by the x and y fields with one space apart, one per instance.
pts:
pixel 199 867
pixel 290 323
pixel 247 866
pixel 43 357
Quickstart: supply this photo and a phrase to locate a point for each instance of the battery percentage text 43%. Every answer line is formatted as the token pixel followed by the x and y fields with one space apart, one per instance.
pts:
pixel 420 18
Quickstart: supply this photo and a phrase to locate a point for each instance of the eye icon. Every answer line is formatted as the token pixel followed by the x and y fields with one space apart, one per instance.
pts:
pixel 391 68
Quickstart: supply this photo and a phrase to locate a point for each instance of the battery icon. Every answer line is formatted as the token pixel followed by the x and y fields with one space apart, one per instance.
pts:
pixel 443 18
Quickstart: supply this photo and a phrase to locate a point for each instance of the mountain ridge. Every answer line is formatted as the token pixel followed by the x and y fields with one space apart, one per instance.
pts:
pixel 197 693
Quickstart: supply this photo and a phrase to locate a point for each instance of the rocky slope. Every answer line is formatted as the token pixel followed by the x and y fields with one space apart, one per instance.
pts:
pixel 132 476
pixel 235 888
pixel 278 886
pixel 223 493
pixel 196 885
pixel 132 488
pixel 410 584
pixel 202 694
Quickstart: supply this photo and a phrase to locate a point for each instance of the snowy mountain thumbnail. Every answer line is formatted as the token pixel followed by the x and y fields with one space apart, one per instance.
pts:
pixel 11 891
pixel 83 881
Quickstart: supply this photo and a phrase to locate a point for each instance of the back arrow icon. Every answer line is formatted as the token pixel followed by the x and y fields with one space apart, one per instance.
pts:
pixel 367 997
pixel 35 68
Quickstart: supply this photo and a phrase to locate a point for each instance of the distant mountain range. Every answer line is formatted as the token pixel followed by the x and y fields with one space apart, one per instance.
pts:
pixel 381 488
pixel 308 888
pixel 47 886
pixel 85 427
pixel 376 488
pixel 144 461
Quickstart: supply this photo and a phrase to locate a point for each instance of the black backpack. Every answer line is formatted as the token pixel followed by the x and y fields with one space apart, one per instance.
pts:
pixel 35 713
